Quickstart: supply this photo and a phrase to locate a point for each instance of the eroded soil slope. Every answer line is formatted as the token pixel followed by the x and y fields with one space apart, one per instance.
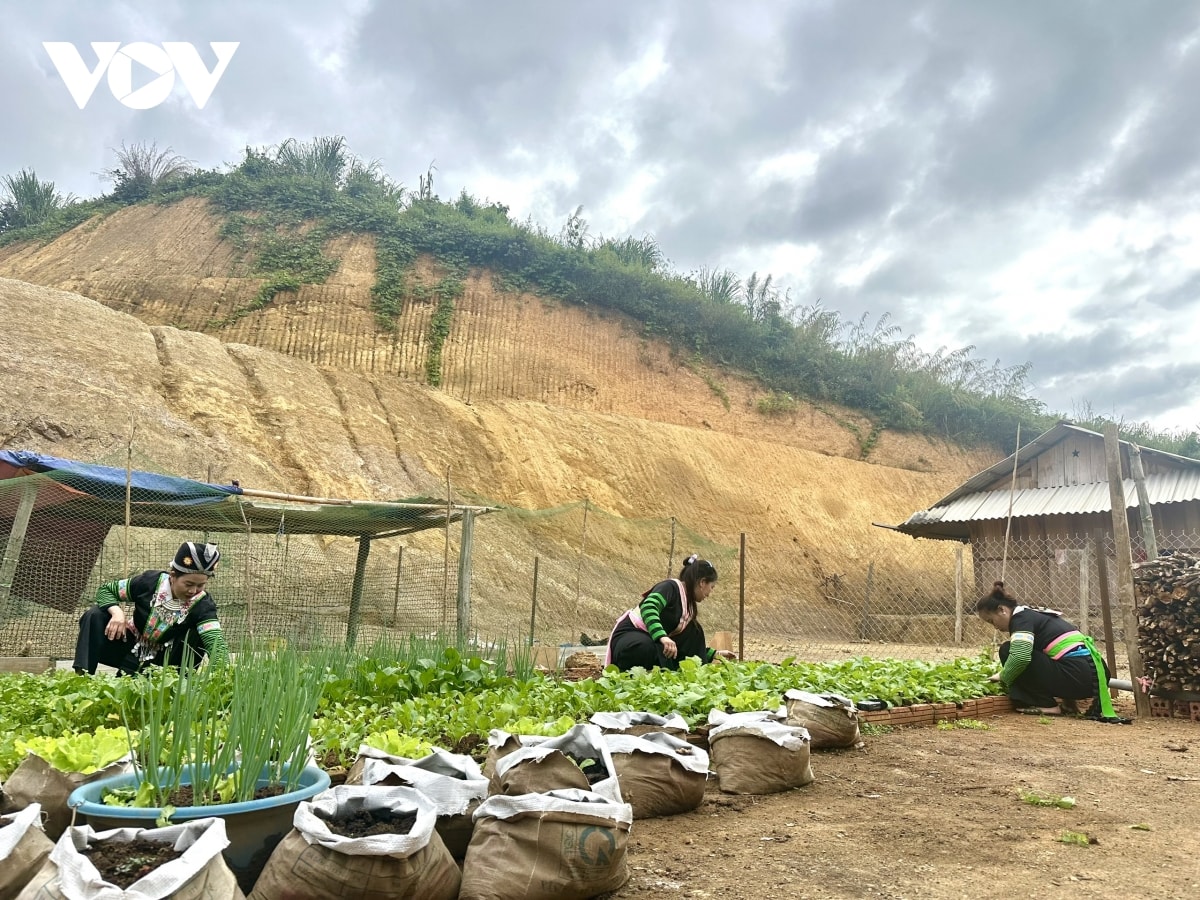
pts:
pixel 542 406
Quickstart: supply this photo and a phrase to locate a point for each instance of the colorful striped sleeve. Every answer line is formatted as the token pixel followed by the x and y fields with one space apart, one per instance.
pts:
pixel 1020 652
pixel 651 609
pixel 112 593
pixel 214 641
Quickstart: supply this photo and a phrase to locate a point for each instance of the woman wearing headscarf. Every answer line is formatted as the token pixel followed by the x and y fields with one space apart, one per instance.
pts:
pixel 174 618
pixel 663 628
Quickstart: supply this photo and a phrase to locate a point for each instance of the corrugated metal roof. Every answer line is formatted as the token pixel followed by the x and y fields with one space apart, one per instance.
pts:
pixel 1167 487
pixel 1036 447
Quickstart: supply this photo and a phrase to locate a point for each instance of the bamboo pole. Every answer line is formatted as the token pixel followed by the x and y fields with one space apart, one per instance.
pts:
pixel 446 555
pixel 1125 596
pixel 1011 491
pixel 671 553
pixel 1110 648
pixel 958 595
pixel 742 599
pixel 533 605
pixel 1145 512
pixel 128 492
pixel 582 549
pixel 396 593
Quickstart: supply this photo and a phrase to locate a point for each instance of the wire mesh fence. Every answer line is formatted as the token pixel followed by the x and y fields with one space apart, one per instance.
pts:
pixel 552 576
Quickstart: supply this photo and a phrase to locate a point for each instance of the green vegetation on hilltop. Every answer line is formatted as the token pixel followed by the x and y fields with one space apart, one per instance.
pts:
pixel 282 204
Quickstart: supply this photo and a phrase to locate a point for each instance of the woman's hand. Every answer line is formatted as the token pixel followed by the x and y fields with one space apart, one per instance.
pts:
pixel 995 677
pixel 118 626
pixel 720 655
pixel 670 651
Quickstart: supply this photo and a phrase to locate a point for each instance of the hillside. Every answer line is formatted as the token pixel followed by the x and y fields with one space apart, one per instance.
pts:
pixel 542 405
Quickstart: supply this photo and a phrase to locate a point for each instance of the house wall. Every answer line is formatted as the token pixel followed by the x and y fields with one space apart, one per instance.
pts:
pixel 1078 459
pixel 1051 560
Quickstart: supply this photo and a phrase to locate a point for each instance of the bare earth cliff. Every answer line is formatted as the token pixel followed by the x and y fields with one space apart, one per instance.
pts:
pixel 541 405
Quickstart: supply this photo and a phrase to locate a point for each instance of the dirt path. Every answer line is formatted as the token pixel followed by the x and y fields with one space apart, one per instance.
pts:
pixel 932 814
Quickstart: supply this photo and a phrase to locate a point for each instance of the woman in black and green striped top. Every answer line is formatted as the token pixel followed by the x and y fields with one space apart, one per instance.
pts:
pixel 663 628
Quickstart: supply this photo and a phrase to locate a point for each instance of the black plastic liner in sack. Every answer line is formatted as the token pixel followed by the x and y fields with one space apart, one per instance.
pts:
pixel 201 873
pixel 659 774
pixel 578 759
pixel 639 723
pixel 314 863
pixel 756 753
pixel 24 848
pixel 830 719
pixel 453 782
pixel 561 845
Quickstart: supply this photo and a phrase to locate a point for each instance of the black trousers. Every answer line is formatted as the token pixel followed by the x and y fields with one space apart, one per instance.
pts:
pixel 94 648
pixel 636 648
pixel 1045 679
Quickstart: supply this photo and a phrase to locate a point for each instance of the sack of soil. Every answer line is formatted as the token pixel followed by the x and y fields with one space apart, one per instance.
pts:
pixel 23 849
pixel 639 723
pixel 577 760
pixel 756 753
pixel 561 845
pixel 500 745
pixel 129 862
pixel 36 781
pixel 453 782
pixel 659 774
pixel 830 719
pixel 361 841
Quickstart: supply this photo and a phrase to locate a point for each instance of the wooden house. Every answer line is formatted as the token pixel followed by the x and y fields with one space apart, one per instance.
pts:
pixel 1057 513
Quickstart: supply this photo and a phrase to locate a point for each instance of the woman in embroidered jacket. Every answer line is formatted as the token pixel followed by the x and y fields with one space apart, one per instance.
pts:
pixel 1045 657
pixel 174 618
pixel 663 628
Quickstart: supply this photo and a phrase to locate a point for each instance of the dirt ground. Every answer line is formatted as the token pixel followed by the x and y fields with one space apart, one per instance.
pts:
pixel 931 814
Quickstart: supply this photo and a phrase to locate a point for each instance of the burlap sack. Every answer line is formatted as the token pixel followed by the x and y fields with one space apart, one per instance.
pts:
pixel 36 781
pixel 563 845
pixel 314 863
pixel 500 744
pixel 453 782
pixel 830 719
pixel 24 848
pixel 549 765
pixel 756 753
pixel 660 775
pixel 636 723
pixel 200 874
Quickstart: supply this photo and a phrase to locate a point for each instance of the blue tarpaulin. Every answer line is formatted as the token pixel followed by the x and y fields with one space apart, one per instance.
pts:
pixel 108 482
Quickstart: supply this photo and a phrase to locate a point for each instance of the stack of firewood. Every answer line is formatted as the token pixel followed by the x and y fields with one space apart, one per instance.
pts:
pixel 1168 601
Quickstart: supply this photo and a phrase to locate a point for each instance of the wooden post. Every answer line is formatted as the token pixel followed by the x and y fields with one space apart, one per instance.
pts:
pixel 1149 538
pixel 742 599
pixel 1085 591
pixel 864 627
pixel 1110 650
pixel 356 586
pixel 464 574
pixel 128 490
pixel 533 605
pixel 396 594
pixel 1125 595
pixel 958 594
pixel 16 539
pixel 671 553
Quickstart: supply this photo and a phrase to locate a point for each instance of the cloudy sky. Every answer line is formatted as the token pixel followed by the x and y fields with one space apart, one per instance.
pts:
pixel 1022 177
